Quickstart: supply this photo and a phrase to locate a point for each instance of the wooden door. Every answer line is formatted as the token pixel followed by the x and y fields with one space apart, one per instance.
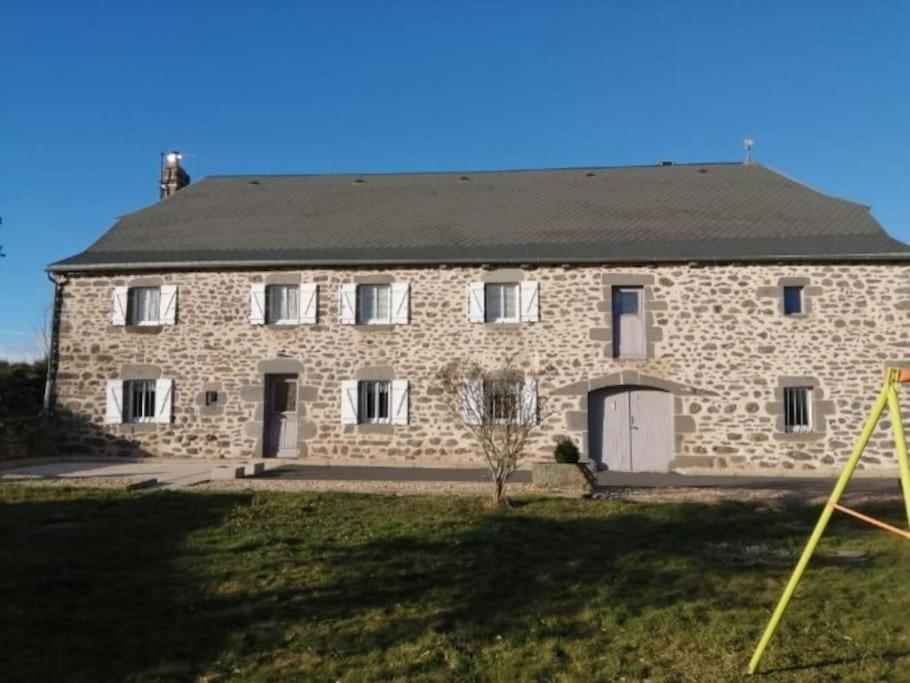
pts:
pixel 608 430
pixel 630 429
pixel 281 416
pixel 651 429
pixel 628 323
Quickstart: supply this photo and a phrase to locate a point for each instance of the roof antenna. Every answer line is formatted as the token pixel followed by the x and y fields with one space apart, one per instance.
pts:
pixel 748 143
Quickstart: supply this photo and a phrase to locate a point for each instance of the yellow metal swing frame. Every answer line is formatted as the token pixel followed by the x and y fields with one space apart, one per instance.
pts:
pixel 886 398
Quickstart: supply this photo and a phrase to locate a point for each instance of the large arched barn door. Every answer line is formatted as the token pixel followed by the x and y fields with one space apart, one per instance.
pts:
pixel 631 428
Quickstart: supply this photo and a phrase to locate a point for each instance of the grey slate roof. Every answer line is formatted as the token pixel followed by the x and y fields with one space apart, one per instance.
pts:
pixel 691 212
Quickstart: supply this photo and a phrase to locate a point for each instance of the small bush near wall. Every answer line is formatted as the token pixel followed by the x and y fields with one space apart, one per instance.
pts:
pixel 566 451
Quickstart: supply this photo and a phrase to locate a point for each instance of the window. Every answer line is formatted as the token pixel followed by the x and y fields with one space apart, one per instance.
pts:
pixel 374 305
pixel 139 399
pixel 628 323
pixel 501 302
pixel 501 400
pixel 797 409
pixel 374 401
pixel 211 398
pixel 144 305
pixel 282 307
pixel 793 300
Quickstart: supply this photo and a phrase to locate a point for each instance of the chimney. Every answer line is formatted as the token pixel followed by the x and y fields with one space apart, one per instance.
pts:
pixel 173 177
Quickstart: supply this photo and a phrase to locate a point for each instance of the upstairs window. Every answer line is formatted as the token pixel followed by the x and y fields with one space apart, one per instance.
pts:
pixel 139 400
pixel 374 304
pixel 282 304
pixel 797 409
pixel 374 402
pixel 793 300
pixel 144 305
pixel 501 302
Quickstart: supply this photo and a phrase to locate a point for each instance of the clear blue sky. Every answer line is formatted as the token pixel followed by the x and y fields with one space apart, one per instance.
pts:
pixel 92 93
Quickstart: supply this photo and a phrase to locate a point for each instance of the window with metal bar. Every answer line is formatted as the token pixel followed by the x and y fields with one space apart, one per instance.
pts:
pixel 501 399
pixel 797 409
pixel 139 400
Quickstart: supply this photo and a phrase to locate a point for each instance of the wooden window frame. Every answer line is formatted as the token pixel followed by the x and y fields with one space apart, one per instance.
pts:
pixel 367 389
pixel 271 293
pixel 133 306
pixel 801 294
pixel 502 287
pixel 372 292
pixel 148 400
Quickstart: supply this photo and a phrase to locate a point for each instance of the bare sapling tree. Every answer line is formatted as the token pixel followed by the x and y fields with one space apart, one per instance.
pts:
pixel 501 409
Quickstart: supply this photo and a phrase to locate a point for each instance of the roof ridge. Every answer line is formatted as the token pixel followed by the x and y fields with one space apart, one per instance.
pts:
pixel 541 169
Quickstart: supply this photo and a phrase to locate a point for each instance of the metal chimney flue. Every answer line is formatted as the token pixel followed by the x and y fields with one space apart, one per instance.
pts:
pixel 173 176
pixel 748 144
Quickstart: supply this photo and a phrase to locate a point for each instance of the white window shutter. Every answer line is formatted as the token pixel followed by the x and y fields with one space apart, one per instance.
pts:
pixel 257 303
pixel 347 304
pixel 164 400
pixel 530 301
pixel 472 410
pixel 119 303
pixel 475 302
pixel 113 409
pixel 349 402
pixel 529 401
pixel 399 401
pixel 167 305
pixel 308 297
pixel 401 303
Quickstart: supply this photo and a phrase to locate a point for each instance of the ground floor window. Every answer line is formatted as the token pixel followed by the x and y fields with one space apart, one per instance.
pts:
pixel 374 401
pixel 797 409
pixel 501 401
pixel 139 399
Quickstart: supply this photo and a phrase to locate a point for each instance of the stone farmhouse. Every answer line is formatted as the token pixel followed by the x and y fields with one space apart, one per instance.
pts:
pixel 683 317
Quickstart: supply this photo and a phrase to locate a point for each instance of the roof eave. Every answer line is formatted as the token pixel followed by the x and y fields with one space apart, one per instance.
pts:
pixel 60 267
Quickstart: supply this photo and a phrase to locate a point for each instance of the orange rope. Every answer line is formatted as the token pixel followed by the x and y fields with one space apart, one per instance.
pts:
pixel 872 521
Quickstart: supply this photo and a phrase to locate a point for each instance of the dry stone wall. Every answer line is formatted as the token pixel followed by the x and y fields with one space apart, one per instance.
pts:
pixel 717 339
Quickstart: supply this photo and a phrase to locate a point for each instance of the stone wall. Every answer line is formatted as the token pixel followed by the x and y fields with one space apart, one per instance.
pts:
pixel 716 338
pixel 26 437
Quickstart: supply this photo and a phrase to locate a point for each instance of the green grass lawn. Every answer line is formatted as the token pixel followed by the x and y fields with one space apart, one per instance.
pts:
pixel 109 586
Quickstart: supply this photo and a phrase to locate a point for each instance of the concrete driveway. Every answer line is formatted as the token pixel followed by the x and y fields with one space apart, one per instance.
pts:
pixel 166 472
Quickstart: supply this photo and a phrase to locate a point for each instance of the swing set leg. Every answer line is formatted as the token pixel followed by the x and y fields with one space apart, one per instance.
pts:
pixel 877 410
pixel 897 426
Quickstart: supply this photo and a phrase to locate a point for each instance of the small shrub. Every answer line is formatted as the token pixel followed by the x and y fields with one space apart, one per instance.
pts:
pixel 566 451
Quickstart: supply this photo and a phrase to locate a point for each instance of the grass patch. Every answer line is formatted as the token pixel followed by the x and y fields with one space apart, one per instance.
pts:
pixel 107 586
